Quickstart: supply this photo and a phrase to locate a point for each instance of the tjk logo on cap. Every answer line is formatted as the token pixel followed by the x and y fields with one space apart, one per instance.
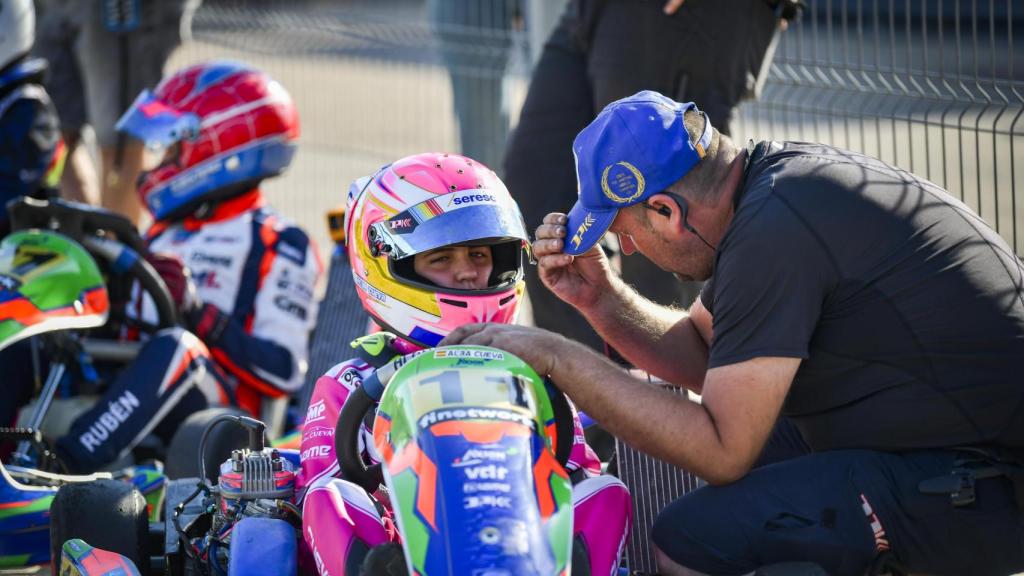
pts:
pixel 582 229
pixel 623 185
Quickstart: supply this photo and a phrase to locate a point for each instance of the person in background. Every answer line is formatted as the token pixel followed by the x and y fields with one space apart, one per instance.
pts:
pixel 242 277
pixel 31 150
pixel 101 55
pixel 476 44
pixel 711 52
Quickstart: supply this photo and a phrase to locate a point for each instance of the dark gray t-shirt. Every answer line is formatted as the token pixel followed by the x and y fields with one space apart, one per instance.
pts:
pixel 907 309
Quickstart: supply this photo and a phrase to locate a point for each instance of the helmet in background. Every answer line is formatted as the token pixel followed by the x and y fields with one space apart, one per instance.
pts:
pixel 17 30
pixel 224 126
pixel 424 202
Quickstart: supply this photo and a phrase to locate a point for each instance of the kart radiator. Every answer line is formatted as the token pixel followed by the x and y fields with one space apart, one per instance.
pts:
pixel 653 484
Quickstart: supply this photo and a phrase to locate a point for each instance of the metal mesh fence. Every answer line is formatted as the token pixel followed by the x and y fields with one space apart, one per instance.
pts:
pixel 933 86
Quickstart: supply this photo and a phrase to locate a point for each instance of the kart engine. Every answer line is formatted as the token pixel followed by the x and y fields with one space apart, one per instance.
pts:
pixel 255 482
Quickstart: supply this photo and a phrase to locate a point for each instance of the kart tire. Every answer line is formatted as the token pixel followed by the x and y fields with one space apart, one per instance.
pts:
pixel 384 560
pixel 107 514
pixel 183 453
pixel 580 558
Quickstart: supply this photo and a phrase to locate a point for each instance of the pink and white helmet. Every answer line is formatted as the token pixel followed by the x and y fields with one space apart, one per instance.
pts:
pixel 424 202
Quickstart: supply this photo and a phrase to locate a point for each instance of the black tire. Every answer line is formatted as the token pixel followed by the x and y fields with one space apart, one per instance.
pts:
pixel 580 558
pixel 183 454
pixel 384 560
pixel 107 514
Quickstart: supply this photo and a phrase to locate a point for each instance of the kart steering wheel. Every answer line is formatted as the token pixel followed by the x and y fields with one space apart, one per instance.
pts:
pixel 362 401
pixel 109 237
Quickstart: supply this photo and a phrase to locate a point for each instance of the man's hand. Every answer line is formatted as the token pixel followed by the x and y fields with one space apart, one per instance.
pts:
pixel 578 280
pixel 672 5
pixel 178 280
pixel 538 348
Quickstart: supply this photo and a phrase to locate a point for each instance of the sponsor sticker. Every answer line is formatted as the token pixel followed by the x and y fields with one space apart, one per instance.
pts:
pixel 465 199
pixel 471 354
pixel 474 487
pixel 487 501
pixel 497 414
pixel 315 412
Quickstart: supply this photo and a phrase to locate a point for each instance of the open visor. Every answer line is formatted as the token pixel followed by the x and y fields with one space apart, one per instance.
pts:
pixel 157 124
pixel 456 218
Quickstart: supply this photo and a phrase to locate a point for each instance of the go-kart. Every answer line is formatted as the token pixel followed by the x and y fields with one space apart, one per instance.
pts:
pixel 52 289
pixel 474 446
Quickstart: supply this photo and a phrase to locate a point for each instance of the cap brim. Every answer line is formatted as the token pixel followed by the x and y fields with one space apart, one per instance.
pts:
pixel 586 227
pixel 155 123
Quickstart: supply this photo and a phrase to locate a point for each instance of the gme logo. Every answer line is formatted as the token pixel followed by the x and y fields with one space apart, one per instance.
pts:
pixel 316 452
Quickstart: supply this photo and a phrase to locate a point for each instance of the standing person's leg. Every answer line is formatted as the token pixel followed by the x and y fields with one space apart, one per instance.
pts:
pixel 115 68
pixel 539 167
pixel 476 43
pixel 57 33
pixel 635 47
pixel 842 510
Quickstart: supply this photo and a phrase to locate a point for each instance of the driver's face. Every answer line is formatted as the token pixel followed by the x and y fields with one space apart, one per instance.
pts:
pixel 460 267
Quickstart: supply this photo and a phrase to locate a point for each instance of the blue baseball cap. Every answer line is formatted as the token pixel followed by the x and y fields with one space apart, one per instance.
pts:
pixel 635 148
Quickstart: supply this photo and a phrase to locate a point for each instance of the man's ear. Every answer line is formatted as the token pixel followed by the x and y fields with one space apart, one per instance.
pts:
pixel 669 217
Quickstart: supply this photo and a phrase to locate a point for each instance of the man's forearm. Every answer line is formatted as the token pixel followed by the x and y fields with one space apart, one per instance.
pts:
pixel 655 338
pixel 667 426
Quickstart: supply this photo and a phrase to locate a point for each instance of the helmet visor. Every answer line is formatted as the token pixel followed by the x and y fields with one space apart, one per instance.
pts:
pixel 157 124
pixel 455 218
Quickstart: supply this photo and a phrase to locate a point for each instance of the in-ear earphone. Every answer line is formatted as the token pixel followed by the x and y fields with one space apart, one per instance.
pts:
pixel 684 207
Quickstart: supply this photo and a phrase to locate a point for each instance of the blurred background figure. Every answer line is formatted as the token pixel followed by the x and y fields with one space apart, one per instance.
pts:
pixel 603 50
pixel 31 151
pixel 101 55
pixel 476 43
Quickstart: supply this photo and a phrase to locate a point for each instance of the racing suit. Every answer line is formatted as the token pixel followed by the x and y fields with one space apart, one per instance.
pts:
pixel 31 150
pixel 342 513
pixel 255 277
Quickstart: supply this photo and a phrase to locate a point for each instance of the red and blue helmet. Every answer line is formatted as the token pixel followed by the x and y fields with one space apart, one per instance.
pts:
pixel 225 126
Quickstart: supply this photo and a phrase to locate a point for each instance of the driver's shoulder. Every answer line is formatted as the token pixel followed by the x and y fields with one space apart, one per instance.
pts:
pixel 349 372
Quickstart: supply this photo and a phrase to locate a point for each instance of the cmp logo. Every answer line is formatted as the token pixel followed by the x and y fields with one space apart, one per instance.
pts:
pixel 577 238
pixel 622 186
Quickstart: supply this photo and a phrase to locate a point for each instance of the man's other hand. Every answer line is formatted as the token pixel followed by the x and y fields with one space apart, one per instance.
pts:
pixel 538 348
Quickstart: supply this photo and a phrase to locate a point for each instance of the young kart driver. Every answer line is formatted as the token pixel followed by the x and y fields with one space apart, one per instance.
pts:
pixel 435 241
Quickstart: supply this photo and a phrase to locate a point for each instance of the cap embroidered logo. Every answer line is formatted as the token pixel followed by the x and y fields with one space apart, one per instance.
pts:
pixel 584 226
pixel 629 184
